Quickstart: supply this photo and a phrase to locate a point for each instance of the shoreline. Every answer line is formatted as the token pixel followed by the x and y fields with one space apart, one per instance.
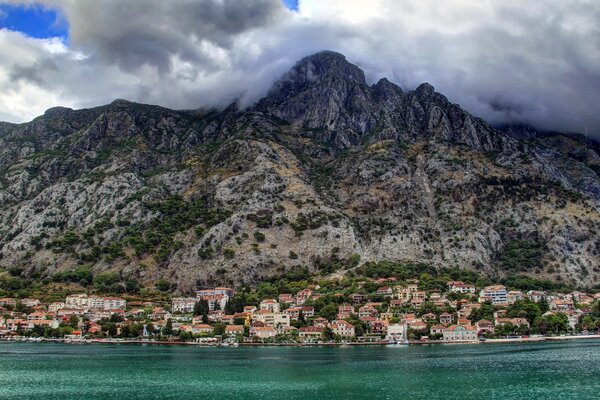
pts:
pixel 343 344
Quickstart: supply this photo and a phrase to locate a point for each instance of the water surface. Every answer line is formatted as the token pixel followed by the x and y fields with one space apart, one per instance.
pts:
pixel 551 370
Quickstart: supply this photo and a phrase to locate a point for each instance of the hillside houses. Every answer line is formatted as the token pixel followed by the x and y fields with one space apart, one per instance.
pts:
pixel 396 312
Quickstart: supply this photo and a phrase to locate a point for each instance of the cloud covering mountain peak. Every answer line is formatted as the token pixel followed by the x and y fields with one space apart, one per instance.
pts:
pixel 506 61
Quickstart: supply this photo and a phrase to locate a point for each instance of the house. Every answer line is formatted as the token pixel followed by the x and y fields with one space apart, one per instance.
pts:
pixel 38 315
pixel 250 309
pixel 409 318
pixel 201 328
pixel 320 322
pixel 310 332
pixel 418 326
pixel 416 302
pixel 367 311
pixel 7 301
pixel 386 316
pixel 79 300
pixel 378 327
pixel 396 332
pixel 536 295
pixel 437 329
pixel 46 323
pixel 183 304
pixel 263 332
pixel 561 305
pixel 461 287
pixel 496 293
pixel 512 321
pixel 30 302
pixel 406 292
pixel 216 315
pixel 270 318
pixel 54 307
pixel 294 312
pixel 358 298
pixel 484 326
pixel 215 301
pixel 289 330
pixel 345 311
pixel 234 330
pixel 158 314
pixel 114 303
pixel 343 329
pixel 225 291
pixel 286 298
pixel 396 303
pixel 247 317
pixel 446 318
pixel 303 295
pixel 385 291
pixel 269 305
pixel 94 329
pixel 456 333
pixel 514 296
pixel 428 317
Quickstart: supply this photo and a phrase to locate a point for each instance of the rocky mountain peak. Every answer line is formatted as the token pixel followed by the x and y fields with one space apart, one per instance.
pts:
pixel 323 170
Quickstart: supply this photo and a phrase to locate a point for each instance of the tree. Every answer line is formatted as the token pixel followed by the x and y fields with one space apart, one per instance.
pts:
pixel 486 311
pixel 163 285
pixel 201 308
pixel 168 329
pixel 596 309
pixel 328 334
pixel 541 324
pixel 558 323
pixel 73 321
pixel 329 312
pixel 524 309
pixel 219 329
pixel 301 319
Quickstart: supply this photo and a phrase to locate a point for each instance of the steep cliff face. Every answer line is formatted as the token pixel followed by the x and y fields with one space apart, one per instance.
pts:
pixel 321 171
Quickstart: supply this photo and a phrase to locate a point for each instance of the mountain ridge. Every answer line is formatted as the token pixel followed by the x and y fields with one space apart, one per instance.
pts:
pixel 322 170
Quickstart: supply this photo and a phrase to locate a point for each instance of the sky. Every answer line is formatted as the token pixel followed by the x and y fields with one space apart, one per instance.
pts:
pixel 507 61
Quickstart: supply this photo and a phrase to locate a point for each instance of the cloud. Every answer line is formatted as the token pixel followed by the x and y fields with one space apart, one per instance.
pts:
pixel 504 60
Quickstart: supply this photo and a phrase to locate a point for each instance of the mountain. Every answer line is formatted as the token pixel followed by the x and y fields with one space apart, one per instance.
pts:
pixel 323 173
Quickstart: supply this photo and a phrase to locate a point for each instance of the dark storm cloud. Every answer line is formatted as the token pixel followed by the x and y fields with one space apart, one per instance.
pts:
pixel 35 73
pixel 134 33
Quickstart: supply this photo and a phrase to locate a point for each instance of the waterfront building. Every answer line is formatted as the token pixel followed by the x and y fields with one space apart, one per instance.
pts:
pixel 457 333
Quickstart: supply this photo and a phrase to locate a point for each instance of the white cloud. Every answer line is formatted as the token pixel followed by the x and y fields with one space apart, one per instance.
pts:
pixel 504 60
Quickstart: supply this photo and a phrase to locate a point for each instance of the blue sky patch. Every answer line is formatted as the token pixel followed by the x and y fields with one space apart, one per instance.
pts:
pixel 34 21
pixel 291 4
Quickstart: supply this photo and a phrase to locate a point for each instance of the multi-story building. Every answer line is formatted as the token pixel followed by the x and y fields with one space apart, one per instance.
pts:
pixel 54 307
pixel 270 318
pixel 183 304
pixel 343 329
pixel 496 293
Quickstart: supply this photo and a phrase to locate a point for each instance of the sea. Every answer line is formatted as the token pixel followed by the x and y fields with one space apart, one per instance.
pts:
pixel 568 369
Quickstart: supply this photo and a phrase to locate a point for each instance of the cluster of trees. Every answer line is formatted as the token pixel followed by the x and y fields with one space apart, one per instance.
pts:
pixel 522 255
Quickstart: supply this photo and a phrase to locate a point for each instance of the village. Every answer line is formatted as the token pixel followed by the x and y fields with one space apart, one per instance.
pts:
pixel 394 313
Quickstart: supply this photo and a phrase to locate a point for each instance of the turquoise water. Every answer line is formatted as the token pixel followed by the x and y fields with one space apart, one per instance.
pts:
pixel 556 370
